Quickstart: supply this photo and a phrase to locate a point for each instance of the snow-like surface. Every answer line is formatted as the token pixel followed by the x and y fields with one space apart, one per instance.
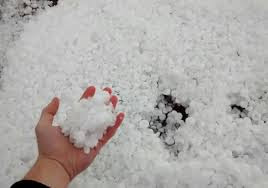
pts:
pixel 213 52
pixel 85 121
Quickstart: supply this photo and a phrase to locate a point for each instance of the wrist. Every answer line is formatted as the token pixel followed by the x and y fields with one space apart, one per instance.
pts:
pixel 49 172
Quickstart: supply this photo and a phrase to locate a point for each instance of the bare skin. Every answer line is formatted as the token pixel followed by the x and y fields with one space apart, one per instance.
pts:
pixel 59 161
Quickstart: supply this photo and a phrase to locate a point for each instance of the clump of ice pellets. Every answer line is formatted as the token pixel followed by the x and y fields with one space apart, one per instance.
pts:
pixel 30 7
pixel 168 116
pixel 88 119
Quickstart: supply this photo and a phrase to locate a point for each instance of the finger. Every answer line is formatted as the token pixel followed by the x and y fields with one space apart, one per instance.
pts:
pixel 114 100
pixel 109 90
pixel 119 119
pixel 50 111
pixel 89 92
pixel 110 131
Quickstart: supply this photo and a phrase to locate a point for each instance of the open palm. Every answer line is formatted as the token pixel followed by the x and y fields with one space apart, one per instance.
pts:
pixel 52 144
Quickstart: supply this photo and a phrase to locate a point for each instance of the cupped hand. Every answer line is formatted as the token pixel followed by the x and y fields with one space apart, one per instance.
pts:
pixel 53 145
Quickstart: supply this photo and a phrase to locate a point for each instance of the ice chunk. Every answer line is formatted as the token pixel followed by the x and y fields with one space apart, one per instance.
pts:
pixel 87 120
pixel 190 121
pixel 27 11
pixel 144 123
pixel 162 117
pixel 34 5
pixel 169 141
pixel 27 2
pixel 161 105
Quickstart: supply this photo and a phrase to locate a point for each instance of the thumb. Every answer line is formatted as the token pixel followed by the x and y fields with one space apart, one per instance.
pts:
pixel 50 111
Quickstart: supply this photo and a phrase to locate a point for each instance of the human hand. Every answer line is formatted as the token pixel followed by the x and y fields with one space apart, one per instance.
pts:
pixel 55 148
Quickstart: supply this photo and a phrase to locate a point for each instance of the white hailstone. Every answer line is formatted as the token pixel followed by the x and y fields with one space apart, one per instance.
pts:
pixel 161 130
pixel 153 118
pixel 161 105
pixel 170 126
pixel 71 138
pixel 27 2
pixel 25 157
pixel 65 130
pixel 189 110
pixel 86 150
pixel 180 144
pixel 144 123
pixel 79 137
pixel 250 108
pixel 34 5
pixel 169 141
pixel 137 118
pixel 158 125
pixel 172 113
pixel 158 134
pixel 162 117
pixel 190 121
pixel 27 10
pixel 78 145
pixel 166 92
pixel 102 97
pixel 243 115
pixel 157 112
pixel 171 120
pixel 164 110
pixel 235 115
pixel 247 121
pixel 87 120
pixel 178 116
pixel 169 109
pixel 243 104
pixel 255 116
pixel 175 115
pixel 48 3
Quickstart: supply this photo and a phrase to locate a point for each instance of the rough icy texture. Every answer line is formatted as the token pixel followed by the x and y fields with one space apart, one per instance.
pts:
pixel 87 120
pixel 12 18
pixel 27 8
pixel 208 49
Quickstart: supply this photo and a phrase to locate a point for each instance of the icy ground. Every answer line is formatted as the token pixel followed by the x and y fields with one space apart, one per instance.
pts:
pixel 210 54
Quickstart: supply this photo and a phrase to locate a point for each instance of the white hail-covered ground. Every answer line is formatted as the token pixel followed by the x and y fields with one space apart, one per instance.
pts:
pixel 211 53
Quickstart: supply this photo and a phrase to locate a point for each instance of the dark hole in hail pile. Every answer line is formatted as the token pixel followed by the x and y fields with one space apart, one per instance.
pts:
pixel 168 115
